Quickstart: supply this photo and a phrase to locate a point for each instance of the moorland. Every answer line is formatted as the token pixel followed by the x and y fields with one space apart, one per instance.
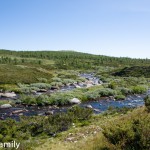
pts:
pixel 66 79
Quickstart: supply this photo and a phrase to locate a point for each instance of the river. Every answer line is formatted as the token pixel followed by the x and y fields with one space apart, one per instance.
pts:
pixel 98 106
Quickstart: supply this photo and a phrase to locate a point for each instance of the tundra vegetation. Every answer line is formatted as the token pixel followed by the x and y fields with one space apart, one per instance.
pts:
pixel 27 72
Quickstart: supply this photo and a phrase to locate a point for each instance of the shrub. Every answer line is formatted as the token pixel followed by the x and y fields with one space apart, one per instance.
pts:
pixel 139 89
pixel 41 85
pixel 78 113
pixel 28 99
pixel 129 134
pixel 125 91
pixel 147 102
pixel 55 79
pixel 92 95
pixel 107 92
pixel 43 100
pixel 120 97
pixel 56 84
pixel 28 89
pixel 66 81
pixel 42 80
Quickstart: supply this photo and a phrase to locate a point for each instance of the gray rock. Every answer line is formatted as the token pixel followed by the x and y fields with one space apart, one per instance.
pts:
pixel 49 113
pixel 89 106
pixel 89 85
pixel 42 90
pixel 97 110
pixel 5 106
pixel 19 111
pixel 77 86
pixel 75 101
pixel 8 95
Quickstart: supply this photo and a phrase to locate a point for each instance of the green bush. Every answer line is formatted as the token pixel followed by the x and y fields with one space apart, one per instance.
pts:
pixel 130 135
pixel 34 126
pixel 107 92
pixel 92 95
pixel 28 99
pixel 41 85
pixel 147 102
pixel 124 91
pixel 78 113
pixel 55 79
pixel 120 97
pixel 139 89
pixel 42 80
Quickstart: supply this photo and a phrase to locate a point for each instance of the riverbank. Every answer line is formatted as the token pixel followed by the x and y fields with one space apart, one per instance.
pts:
pixel 91 136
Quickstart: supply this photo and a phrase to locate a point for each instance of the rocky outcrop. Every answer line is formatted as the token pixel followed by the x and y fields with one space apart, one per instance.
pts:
pixel 75 101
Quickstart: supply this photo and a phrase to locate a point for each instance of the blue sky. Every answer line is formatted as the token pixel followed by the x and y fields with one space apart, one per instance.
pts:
pixel 105 27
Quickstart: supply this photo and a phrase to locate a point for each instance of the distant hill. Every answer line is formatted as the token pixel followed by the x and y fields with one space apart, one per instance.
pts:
pixel 75 60
pixel 136 71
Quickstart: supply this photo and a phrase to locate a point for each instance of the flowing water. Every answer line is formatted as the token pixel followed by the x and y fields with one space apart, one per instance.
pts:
pixel 97 106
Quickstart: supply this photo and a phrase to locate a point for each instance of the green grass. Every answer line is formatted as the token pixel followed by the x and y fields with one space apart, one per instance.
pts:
pixel 13 74
pixel 92 137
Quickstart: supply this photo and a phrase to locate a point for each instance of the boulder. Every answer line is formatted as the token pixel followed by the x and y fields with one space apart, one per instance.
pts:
pixel 5 106
pixel 19 111
pixel 8 95
pixel 42 90
pixel 33 92
pixel 49 112
pixel 54 88
pixel 77 86
pixel 96 110
pixel 89 85
pixel 89 106
pixel 75 101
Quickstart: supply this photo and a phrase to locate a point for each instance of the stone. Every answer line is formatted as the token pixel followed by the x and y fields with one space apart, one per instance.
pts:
pixel 8 95
pixel 19 111
pixel 49 113
pixel 42 90
pixel 77 86
pixel 21 114
pixel 97 110
pixel 89 106
pixel 89 85
pixel 5 106
pixel 75 101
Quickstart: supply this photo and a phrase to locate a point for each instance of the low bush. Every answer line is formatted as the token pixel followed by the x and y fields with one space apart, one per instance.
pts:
pixel 129 134
pixel 41 85
pixel 139 89
pixel 120 97
pixel 147 102
pixel 41 125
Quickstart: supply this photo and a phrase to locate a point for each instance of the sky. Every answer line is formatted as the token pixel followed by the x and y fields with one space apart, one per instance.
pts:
pixel 103 27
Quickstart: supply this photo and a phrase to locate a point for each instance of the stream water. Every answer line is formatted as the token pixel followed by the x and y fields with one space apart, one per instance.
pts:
pixel 97 106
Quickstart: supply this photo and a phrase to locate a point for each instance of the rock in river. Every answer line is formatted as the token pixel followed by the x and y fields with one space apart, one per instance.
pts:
pixel 89 106
pixel 19 111
pixel 8 95
pixel 75 101
pixel 5 106
pixel 49 112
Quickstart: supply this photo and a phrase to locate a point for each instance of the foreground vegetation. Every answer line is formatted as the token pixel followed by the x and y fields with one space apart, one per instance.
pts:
pixel 78 128
pixel 128 129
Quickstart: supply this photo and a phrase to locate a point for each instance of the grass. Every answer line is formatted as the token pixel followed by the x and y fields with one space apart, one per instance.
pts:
pixel 12 74
pixel 90 137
